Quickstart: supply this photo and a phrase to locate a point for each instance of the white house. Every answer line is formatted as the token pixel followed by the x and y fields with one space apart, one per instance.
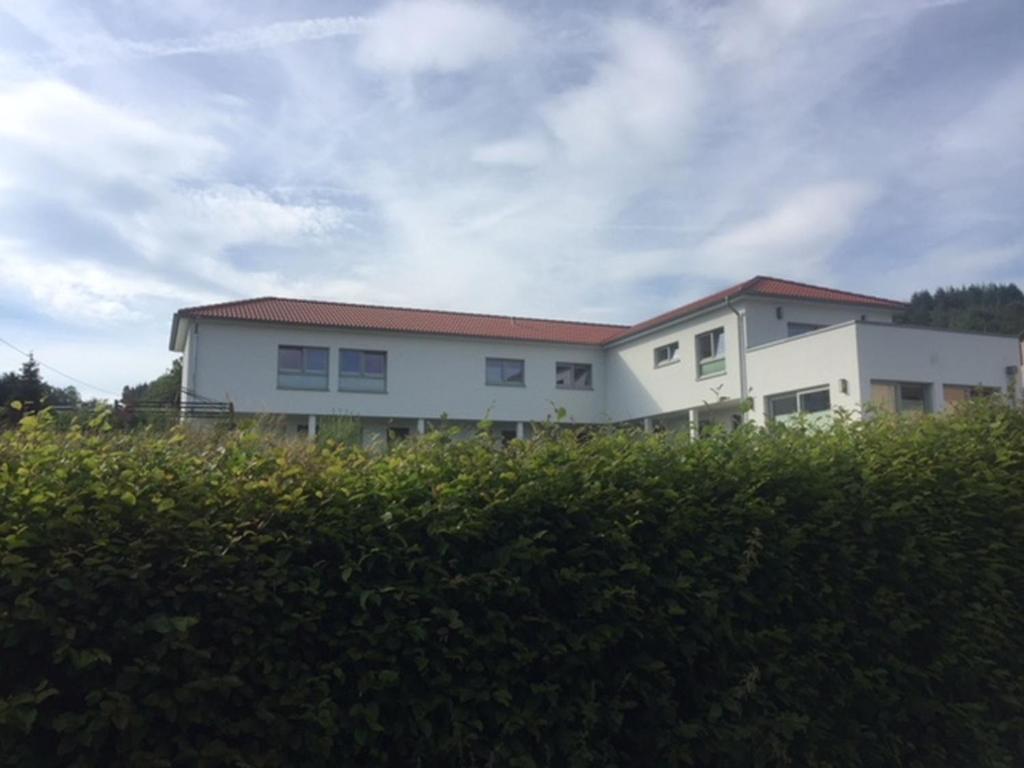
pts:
pixel 764 349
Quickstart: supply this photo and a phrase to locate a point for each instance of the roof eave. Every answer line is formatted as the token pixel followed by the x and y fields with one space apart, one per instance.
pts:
pixel 176 343
pixel 367 329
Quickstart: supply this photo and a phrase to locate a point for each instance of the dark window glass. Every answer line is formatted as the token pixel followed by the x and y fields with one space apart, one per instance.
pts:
pixel 302 367
pixel 501 371
pixel 666 354
pixel 796 329
pixel 315 360
pixel 814 402
pixel 362 370
pixel 289 358
pixel 373 363
pixel 574 376
pixel 351 362
pixel 783 406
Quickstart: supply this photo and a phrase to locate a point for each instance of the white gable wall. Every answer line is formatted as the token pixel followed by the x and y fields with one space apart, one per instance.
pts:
pixel 636 389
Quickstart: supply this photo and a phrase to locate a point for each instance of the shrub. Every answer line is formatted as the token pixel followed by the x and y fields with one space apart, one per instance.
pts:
pixel 848 597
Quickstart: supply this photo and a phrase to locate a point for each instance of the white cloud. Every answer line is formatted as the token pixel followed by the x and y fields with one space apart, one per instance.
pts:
pixel 181 219
pixel 797 234
pixel 437 35
pixel 79 131
pixel 250 38
pixel 82 291
pixel 526 152
pixel 991 126
pixel 952 265
pixel 639 104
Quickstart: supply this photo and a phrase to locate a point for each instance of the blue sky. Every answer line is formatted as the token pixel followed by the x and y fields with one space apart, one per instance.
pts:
pixel 587 160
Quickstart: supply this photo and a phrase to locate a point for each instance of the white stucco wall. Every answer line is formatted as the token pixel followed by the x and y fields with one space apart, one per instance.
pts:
pixel 431 375
pixel 763 325
pixel 636 389
pixel 813 360
pixel 936 357
pixel 426 376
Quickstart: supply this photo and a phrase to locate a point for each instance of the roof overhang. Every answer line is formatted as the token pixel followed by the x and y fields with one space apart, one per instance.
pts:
pixel 179 328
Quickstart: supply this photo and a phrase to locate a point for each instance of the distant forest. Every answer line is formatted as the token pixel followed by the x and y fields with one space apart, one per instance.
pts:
pixel 992 308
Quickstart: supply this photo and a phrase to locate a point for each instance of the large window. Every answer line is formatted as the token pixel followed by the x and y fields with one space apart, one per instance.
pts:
pixel 790 405
pixel 797 329
pixel 302 367
pixel 900 396
pixel 711 352
pixel 668 353
pixel 954 394
pixel 574 376
pixel 362 370
pixel 503 372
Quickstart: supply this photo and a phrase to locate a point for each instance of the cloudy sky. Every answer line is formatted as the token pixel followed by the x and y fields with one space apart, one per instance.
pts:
pixel 580 160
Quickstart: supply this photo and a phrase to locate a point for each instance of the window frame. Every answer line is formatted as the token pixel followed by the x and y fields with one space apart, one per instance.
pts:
pixel 304 370
pixel 718 353
pixel 808 328
pixel 673 357
pixel 797 395
pixel 363 375
pixel 927 396
pixel 971 392
pixel 501 361
pixel 573 366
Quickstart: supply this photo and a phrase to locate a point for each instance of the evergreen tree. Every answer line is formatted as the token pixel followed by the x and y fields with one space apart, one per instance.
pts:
pixel 31 389
pixel 995 308
pixel 165 388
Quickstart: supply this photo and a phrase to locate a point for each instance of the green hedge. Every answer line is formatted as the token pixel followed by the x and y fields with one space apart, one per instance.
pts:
pixel 852 597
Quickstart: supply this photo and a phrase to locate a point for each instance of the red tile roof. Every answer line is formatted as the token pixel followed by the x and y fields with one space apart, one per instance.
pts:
pixel 772 287
pixel 362 316
pixel 336 315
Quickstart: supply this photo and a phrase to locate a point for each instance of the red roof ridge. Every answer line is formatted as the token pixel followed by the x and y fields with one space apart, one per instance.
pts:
pixel 322 312
pixel 222 304
pixel 873 299
pixel 750 287
pixel 359 305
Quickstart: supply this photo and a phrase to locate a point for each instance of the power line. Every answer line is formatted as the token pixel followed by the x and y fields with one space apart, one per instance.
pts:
pixel 58 371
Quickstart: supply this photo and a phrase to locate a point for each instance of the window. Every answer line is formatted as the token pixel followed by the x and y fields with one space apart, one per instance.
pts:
pixel 302 367
pixel 815 402
pixel 954 394
pixel 790 405
pixel 899 397
pixel 796 329
pixel 362 370
pixel 666 354
pixel 711 352
pixel 502 372
pixel 574 376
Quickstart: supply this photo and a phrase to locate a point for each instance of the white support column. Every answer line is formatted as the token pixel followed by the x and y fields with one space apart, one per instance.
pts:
pixel 421 426
pixel 648 425
pixel 311 426
pixel 693 418
pixel 520 431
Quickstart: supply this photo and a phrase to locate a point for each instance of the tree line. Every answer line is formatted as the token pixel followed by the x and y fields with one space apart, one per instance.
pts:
pixel 992 307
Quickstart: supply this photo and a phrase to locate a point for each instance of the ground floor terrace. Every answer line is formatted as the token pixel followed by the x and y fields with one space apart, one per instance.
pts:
pixel 377 432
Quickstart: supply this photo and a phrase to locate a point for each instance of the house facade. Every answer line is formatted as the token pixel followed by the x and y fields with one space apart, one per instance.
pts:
pixel 766 349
